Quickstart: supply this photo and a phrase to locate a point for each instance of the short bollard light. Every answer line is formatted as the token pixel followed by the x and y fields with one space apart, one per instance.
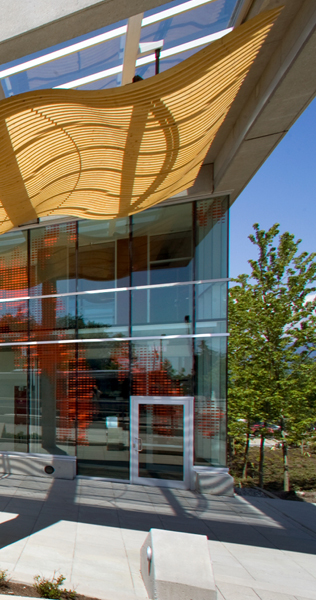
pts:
pixel 149 554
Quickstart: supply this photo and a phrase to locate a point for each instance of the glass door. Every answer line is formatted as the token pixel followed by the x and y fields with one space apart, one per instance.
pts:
pixel 162 440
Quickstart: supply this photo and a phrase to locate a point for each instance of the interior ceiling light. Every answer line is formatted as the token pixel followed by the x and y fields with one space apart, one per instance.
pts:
pixel 107 154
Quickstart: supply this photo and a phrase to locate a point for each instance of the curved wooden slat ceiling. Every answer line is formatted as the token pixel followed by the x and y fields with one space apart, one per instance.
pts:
pixel 107 154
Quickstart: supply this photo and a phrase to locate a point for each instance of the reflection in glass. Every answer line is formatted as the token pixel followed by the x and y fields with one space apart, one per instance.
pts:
pixel 52 317
pixel 210 402
pixel 13 321
pixel 53 389
pixel 74 65
pixel 211 306
pixel 13 399
pixel 183 28
pixel 162 311
pixel 162 368
pixel 161 436
pixel 103 315
pixel 68 394
pixel 103 410
pixel 13 265
pixel 53 261
pixel 162 245
pixel 103 260
pixel 211 238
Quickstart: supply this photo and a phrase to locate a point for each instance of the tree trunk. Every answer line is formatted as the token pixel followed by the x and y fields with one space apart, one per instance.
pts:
pixel 261 460
pixel 245 466
pixel 286 475
pixel 229 449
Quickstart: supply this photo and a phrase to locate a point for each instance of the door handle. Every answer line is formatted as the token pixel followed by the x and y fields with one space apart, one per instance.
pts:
pixel 138 444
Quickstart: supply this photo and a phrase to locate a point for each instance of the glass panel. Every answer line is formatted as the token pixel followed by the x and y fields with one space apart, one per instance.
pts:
pixel 103 410
pixel 162 253
pixel 13 321
pixel 70 68
pixel 161 437
pixel 13 265
pixel 162 368
pixel 210 402
pixel 103 254
pixel 13 399
pixel 183 28
pixel 162 245
pixel 53 264
pixel 53 398
pixel 103 315
pixel 211 238
pixel 53 318
pixel 211 303
pixel 73 66
pixel 162 311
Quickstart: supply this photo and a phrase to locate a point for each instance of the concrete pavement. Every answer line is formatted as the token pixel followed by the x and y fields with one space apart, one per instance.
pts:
pixel 91 531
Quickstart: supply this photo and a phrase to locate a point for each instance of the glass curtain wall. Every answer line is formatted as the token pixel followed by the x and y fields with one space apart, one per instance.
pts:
pixel 92 312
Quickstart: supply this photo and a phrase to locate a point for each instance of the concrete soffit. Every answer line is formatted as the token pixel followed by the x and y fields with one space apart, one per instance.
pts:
pixel 280 85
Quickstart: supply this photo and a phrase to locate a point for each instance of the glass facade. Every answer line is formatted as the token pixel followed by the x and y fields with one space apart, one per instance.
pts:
pixel 94 312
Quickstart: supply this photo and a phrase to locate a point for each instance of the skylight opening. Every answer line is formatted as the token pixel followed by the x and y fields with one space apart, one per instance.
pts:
pixel 89 57
pixel 35 62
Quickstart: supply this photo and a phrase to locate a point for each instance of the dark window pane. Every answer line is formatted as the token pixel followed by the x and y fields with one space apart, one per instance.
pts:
pixel 103 410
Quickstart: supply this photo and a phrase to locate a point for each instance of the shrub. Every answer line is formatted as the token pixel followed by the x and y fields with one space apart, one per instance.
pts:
pixel 51 588
pixel 4 578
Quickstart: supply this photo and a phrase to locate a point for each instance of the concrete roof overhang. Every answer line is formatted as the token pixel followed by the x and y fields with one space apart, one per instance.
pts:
pixel 279 86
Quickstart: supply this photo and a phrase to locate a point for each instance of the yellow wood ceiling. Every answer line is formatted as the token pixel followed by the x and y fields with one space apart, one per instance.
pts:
pixel 107 154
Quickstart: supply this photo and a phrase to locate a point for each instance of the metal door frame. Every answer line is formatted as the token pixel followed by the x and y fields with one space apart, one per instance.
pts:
pixel 187 403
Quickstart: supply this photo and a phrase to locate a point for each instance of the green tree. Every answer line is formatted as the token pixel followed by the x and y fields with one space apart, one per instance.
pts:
pixel 272 344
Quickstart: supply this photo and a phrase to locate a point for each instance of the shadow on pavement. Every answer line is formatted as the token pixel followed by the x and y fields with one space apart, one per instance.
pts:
pixel 40 503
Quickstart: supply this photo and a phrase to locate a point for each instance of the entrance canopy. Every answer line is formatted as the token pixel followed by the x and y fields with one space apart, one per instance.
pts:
pixel 108 154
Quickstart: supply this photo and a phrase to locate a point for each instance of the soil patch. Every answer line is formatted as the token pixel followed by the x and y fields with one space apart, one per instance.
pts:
pixel 302 469
pixel 11 588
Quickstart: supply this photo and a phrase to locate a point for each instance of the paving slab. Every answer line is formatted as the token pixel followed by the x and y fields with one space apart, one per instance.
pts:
pixel 92 530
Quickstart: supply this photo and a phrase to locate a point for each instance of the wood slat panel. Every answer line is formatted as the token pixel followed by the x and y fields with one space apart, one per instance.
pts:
pixel 112 153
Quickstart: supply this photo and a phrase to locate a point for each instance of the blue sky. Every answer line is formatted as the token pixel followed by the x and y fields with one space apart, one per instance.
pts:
pixel 283 191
